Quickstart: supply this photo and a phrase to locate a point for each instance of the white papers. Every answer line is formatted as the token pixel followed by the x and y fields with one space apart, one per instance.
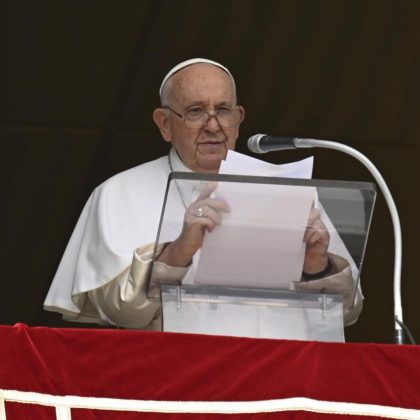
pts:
pixel 260 241
pixel 239 164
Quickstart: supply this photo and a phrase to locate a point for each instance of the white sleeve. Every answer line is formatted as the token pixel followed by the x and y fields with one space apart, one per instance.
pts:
pixel 124 302
pixel 340 281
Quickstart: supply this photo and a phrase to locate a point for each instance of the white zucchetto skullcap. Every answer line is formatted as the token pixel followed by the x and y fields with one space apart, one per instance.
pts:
pixel 187 63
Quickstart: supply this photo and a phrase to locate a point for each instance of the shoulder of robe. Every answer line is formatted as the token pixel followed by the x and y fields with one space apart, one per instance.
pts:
pixel 148 173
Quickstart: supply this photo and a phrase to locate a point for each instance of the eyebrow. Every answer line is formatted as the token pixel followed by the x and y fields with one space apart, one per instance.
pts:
pixel 202 103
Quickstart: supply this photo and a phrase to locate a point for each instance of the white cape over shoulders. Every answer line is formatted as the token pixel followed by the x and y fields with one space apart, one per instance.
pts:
pixel 120 215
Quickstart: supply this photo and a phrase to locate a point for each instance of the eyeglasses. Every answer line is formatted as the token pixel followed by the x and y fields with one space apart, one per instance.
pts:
pixel 198 117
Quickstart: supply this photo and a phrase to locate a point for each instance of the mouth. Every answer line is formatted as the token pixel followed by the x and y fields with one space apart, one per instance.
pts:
pixel 211 140
pixel 211 145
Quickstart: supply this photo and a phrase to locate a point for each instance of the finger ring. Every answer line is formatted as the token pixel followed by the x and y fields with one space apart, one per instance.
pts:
pixel 199 212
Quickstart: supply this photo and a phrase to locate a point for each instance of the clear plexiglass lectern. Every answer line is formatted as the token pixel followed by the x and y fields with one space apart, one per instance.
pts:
pixel 243 280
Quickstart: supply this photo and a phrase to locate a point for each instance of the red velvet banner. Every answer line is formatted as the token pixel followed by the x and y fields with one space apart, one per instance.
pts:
pixel 180 367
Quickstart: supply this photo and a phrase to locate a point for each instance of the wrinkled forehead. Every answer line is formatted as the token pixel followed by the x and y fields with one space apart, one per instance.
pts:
pixel 178 71
pixel 201 84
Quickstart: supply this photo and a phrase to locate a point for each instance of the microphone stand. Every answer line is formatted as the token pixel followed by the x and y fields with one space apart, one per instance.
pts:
pixel 398 316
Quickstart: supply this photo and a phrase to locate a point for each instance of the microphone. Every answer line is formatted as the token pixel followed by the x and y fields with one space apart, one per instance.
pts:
pixel 262 143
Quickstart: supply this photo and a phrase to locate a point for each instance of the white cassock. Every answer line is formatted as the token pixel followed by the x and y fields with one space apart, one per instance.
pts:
pixel 102 275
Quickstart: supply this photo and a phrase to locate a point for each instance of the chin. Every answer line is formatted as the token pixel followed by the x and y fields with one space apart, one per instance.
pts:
pixel 210 166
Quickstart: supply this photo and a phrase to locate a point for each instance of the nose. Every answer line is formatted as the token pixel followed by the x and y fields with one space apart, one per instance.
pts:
pixel 212 124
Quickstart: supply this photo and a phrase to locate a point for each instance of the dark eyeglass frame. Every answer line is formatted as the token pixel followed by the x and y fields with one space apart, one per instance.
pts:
pixel 206 120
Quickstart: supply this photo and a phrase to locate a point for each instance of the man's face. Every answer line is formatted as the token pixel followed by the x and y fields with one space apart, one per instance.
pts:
pixel 210 88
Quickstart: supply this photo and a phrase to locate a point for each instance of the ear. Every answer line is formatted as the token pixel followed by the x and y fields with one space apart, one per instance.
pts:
pixel 160 117
pixel 243 116
pixel 243 113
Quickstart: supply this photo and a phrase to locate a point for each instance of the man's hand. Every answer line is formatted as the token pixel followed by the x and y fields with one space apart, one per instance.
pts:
pixel 202 215
pixel 317 240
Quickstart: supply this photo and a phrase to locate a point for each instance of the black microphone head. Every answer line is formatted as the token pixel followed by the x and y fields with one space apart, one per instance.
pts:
pixel 254 143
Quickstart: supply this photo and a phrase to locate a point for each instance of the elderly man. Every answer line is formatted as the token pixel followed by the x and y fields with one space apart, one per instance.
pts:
pixel 102 276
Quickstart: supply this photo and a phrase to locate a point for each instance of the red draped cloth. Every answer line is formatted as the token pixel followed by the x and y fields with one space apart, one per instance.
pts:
pixel 181 367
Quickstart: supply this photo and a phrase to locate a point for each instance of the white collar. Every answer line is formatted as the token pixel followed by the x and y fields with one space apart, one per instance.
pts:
pixel 177 164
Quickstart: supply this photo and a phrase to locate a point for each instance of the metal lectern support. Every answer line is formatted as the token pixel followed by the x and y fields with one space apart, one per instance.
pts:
pixel 252 313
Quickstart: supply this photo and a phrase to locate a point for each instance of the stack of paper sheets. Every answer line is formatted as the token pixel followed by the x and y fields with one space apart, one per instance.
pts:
pixel 260 241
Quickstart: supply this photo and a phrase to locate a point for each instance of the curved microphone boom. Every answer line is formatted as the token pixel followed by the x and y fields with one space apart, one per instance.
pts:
pixel 262 143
